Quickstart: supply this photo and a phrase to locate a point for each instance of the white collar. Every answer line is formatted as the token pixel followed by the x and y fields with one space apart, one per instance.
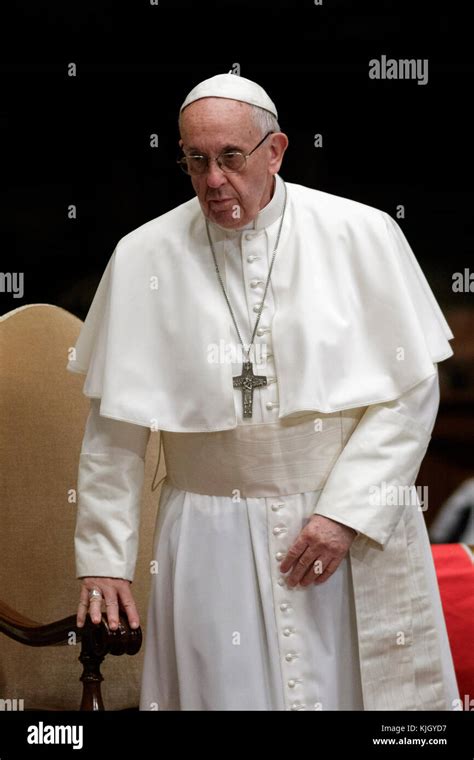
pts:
pixel 265 217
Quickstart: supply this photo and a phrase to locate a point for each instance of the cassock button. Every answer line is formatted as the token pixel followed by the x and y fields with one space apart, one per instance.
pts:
pixel 289 657
pixel 249 236
pixel 279 556
pixel 252 258
pixel 277 530
pixel 292 683
pixel 281 582
pixel 284 606
pixel 256 308
pixel 297 706
pixel 287 632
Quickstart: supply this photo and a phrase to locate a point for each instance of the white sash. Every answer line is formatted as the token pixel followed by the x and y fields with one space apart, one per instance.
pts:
pixel 292 455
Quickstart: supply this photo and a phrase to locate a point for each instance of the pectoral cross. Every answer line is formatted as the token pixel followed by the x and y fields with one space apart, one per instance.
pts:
pixel 247 381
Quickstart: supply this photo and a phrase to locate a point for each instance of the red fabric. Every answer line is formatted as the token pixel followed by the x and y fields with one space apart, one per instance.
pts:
pixel 455 573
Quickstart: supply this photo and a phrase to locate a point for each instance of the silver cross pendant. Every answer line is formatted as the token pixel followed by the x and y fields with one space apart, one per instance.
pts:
pixel 247 381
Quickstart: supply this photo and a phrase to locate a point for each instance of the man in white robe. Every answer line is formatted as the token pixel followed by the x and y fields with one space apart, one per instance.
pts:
pixel 287 578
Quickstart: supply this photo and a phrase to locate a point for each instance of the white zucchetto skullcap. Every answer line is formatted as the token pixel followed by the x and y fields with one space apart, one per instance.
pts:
pixel 233 87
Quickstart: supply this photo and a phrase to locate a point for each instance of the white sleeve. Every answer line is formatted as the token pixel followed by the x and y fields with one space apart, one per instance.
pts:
pixel 110 484
pixel 384 451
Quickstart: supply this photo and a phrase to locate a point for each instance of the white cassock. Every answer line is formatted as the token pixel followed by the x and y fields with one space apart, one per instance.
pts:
pixel 353 335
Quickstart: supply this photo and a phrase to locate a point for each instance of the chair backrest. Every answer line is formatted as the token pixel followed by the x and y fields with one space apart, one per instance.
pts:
pixel 43 414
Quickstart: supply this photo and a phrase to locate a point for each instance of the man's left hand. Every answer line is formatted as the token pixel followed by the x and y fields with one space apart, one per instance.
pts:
pixel 323 541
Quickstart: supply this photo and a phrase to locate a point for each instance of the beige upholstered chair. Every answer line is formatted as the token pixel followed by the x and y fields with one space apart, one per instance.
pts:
pixel 43 413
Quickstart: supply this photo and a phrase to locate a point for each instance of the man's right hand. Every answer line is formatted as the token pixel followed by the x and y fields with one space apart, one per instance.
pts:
pixel 115 592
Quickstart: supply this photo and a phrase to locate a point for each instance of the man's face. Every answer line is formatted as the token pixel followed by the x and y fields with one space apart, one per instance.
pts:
pixel 211 125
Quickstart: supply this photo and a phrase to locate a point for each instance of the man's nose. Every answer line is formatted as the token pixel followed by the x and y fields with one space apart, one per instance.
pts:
pixel 215 175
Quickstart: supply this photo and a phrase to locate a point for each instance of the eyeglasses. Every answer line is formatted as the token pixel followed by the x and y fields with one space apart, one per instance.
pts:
pixel 228 161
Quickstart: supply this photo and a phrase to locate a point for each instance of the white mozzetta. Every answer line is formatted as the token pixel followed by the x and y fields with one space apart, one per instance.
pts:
pixel 354 315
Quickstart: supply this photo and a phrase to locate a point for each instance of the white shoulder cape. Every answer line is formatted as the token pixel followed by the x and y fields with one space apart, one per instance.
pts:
pixel 356 322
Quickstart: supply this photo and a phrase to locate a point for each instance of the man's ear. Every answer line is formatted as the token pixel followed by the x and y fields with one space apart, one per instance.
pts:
pixel 180 143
